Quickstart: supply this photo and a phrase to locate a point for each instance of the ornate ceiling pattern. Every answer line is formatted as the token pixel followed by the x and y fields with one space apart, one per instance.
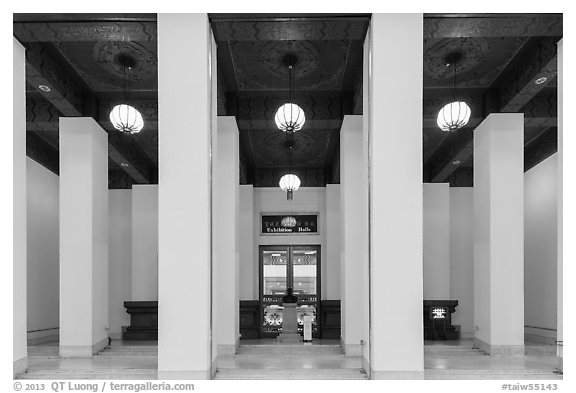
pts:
pixel 77 56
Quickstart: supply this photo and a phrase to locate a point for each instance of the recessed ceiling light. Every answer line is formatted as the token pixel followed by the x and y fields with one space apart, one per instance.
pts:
pixel 124 164
pixel 457 162
pixel 541 80
pixel 44 88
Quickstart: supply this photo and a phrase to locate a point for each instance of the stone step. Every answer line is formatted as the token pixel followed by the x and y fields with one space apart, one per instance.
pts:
pixel 290 350
pixel 542 374
pixel 93 373
pixel 128 375
pixel 325 374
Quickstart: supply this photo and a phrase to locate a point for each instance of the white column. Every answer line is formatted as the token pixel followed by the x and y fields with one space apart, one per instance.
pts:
pixel 560 269
pixel 331 266
pixel 395 132
pixel 225 237
pixel 144 242
pixel 436 241
pixel 352 279
pixel 499 234
pixel 19 327
pixel 247 283
pixel 120 259
pixel 83 237
pixel 186 118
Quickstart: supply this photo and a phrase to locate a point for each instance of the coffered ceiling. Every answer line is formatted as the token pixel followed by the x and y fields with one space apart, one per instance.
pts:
pixel 76 56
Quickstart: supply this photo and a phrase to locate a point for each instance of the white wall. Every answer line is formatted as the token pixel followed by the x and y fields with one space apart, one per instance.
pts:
pixel 43 253
pixel 248 259
pixel 333 229
pixel 145 242
pixel 462 257
pixel 436 241
pixel 306 200
pixel 540 255
pixel 120 257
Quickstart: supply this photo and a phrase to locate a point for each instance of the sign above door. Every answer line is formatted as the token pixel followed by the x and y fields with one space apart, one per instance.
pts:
pixel 283 224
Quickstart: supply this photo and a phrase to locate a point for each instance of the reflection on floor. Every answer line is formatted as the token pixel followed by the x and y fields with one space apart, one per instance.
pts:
pixel 262 359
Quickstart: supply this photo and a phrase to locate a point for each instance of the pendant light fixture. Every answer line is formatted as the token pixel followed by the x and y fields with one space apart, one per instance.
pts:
pixel 456 114
pixel 125 118
pixel 290 117
pixel 289 182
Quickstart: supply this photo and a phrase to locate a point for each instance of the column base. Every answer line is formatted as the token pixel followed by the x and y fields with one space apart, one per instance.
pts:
pixel 226 350
pixel 417 375
pixel 185 375
pixel 20 366
pixel 560 369
pixel 351 350
pixel 82 351
pixel 499 350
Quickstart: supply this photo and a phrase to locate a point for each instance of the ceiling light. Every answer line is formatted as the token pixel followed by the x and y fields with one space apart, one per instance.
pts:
pixel 456 114
pixel 125 118
pixel 456 162
pixel 45 88
pixel 290 117
pixel 541 80
pixel 289 183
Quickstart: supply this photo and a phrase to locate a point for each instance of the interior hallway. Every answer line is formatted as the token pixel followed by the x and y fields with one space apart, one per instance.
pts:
pixel 324 359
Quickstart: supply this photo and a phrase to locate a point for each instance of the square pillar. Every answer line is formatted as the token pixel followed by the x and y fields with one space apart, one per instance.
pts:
pixel 352 241
pixel 395 152
pixel 499 234
pixel 186 77
pixel 560 269
pixel 436 241
pixel 144 242
pixel 247 269
pixel 331 269
pixel 225 252
pixel 19 322
pixel 83 237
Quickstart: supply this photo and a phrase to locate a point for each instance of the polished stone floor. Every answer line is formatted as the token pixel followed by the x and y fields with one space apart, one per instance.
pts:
pixel 263 359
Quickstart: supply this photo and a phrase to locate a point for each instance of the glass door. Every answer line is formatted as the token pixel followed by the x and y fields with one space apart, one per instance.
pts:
pixel 281 267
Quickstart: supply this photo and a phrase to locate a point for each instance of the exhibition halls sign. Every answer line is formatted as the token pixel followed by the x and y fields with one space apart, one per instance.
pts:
pixel 284 224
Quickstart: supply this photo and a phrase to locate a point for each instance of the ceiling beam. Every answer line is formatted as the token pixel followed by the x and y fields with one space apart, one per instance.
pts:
pixel 525 25
pixel 42 68
pixel 290 29
pixel 517 93
pixel 140 31
pixel 518 85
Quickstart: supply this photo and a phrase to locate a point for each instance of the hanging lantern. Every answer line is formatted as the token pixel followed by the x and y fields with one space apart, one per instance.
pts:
pixel 127 119
pixel 289 183
pixel 290 117
pixel 453 116
pixel 288 222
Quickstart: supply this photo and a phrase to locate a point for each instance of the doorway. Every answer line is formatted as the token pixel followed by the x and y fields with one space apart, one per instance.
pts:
pixel 282 267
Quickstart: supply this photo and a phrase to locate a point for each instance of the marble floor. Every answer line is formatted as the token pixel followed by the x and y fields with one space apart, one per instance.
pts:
pixel 262 359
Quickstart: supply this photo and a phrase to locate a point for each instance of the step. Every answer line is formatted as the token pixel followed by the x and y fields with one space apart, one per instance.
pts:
pixel 94 373
pixel 542 374
pixel 292 374
pixel 290 350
